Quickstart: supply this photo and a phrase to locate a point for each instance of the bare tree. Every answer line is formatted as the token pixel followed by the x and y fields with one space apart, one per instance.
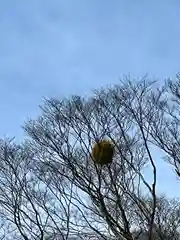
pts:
pixel 164 126
pixel 167 219
pixel 64 135
pixel 51 187
pixel 35 209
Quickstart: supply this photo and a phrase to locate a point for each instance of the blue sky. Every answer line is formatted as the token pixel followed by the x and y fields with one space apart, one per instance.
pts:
pixel 61 47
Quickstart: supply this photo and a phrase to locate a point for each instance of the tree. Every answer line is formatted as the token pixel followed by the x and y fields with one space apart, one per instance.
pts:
pixel 34 209
pixel 167 221
pixel 64 135
pixel 165 126
pixel 54 185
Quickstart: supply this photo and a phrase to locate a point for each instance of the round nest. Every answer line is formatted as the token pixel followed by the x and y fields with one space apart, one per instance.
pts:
pixel 102 152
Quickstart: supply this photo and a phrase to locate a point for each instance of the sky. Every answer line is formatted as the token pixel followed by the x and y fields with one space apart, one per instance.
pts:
pixel 56 48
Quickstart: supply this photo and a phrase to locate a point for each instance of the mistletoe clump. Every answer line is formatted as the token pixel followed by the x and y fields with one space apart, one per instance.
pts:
pixel 102 152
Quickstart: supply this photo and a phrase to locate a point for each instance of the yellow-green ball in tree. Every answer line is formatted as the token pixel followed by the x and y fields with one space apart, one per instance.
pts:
pixel 102 152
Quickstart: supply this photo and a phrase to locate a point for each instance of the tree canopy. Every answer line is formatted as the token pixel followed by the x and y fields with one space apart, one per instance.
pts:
pixel 80 173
